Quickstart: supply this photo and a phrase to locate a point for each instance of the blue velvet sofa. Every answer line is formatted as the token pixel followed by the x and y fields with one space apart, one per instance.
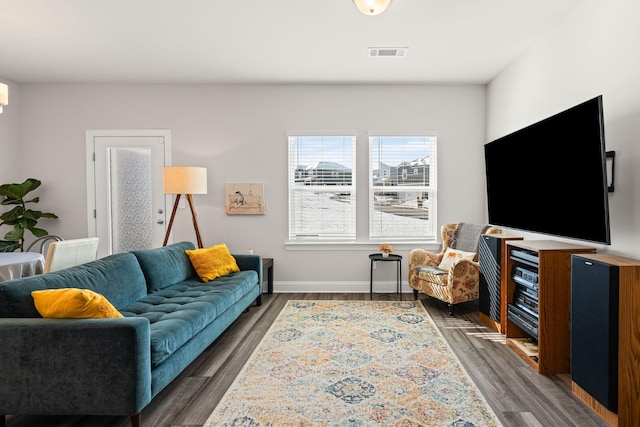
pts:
pixel 115 366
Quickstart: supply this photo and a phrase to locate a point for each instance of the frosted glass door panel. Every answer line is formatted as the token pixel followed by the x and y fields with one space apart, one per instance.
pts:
pixel 131 205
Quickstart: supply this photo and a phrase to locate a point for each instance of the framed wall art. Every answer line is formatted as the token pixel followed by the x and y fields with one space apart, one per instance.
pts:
pixel 244 199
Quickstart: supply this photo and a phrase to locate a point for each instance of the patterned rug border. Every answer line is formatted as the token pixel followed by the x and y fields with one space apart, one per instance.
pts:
pixel 268 334
pixel 453 353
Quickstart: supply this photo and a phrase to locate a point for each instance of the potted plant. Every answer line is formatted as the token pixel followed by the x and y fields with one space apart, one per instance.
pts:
pixel 20 218
pixel 386 249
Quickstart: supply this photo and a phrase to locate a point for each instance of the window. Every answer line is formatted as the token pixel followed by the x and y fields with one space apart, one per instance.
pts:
pixel 402 187
pixel 322 194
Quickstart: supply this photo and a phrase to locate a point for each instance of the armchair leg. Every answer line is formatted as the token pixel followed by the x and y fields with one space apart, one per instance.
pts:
pixel 450 309
pixel 136 420
pixel 415 294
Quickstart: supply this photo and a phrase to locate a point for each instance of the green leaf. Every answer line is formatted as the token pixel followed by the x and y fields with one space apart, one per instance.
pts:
pixel 18 191
pixel 34 183
pixel 38 232
pixel 34 215
pixel 16 234
pixel 27 223
pixel 34 200
pixel 11 202
pixel 48 215
pixel 13 191
pixel 9 245
pixel 13 214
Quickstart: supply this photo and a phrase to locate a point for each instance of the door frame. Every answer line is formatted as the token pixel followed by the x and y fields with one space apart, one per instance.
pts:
pixel 92 227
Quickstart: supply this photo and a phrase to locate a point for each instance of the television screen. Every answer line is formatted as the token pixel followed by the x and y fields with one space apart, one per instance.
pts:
pixel 550 177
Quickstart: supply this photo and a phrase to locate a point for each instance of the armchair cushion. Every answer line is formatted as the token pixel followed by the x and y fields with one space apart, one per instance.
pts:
pixel 429 269
pixel 453 255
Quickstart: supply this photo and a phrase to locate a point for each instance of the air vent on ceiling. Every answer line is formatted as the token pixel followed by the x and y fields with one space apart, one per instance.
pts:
pixel 387 52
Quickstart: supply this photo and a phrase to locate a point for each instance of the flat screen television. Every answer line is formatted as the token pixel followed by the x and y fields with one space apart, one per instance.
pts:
pixel 551 177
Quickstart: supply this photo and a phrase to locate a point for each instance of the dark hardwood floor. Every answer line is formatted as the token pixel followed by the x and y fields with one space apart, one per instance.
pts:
pixel 517 394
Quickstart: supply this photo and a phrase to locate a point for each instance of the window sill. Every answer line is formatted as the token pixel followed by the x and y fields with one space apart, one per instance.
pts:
pixel 359 246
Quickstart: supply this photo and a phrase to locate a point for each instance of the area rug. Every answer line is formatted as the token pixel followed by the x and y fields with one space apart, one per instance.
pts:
pixel 353 363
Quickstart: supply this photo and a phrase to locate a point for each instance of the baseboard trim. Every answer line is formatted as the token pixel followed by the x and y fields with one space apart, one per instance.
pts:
pixel 337 287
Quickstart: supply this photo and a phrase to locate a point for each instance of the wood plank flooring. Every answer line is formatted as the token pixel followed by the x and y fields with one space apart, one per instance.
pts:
pixel 519 396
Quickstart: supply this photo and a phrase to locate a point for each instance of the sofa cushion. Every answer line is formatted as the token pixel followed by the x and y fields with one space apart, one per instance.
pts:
pixel 178 312
pixel 73 303
pixel 212 262
pixel 165 266
pixel 118 277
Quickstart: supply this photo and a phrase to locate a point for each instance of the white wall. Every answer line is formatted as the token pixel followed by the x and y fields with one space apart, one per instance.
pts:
pixel 593 50
pixel 10 158
pixel 239 133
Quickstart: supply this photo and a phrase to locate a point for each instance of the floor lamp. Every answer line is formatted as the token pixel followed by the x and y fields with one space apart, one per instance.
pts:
pixel 185 180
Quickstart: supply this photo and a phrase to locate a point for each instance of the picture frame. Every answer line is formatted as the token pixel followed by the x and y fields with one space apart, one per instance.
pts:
pixel 244 199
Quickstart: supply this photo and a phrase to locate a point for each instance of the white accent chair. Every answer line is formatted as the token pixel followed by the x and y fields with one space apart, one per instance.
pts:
pixel 67 253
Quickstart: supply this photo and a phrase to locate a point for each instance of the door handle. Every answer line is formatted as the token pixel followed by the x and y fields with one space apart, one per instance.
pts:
pixel 160 221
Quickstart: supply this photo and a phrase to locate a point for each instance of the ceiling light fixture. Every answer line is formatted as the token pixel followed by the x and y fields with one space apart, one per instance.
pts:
pixel 371 7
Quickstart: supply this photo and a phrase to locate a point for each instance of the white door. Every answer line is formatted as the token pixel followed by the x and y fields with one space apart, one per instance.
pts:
pixel 126 203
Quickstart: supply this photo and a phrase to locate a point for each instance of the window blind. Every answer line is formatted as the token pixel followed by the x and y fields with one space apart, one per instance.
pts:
pixel 322 193
pixel 402 187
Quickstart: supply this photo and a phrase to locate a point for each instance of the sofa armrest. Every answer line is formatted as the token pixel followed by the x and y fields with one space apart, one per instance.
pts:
pixel 250 262
pixel 74 366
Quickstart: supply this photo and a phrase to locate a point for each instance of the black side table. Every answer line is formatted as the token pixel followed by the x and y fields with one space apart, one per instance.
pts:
pixel 391 257
pixel 267 266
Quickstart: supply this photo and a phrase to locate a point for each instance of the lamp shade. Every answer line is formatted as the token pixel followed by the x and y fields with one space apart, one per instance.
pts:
pixel 184 180
pixel 371 7
pixel 4 94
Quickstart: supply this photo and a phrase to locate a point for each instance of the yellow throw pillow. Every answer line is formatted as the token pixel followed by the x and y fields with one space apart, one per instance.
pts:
pixel 73 303
pixel 452 255
pixel 212 262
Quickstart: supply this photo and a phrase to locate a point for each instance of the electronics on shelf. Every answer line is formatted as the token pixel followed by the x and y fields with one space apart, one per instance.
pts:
pixel 524 309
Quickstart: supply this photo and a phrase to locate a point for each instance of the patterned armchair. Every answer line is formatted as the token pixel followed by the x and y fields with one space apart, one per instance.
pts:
pixel 457 284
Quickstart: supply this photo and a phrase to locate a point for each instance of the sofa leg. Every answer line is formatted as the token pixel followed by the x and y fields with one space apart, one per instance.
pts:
pixel 259 300
pixel 136 420
pixel 2 420
pixel 415 294
pixel 450 309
